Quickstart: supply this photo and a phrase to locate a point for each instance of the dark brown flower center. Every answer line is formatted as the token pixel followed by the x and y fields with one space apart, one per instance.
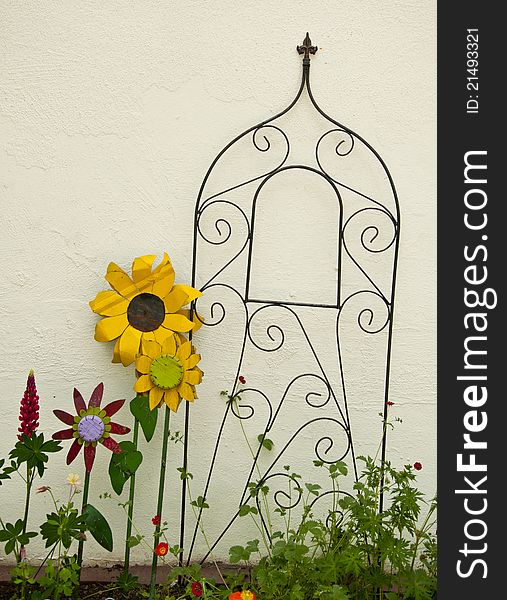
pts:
pixel 146 312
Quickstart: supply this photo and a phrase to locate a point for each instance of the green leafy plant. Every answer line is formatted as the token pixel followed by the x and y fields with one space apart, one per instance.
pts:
pixel 356 552
pixel 60 578
pixel 14 537
pixel 63 526
pixel 34 452
pixel 371 544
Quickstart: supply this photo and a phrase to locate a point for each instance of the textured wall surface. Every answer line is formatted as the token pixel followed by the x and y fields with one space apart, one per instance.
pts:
pixel 110 114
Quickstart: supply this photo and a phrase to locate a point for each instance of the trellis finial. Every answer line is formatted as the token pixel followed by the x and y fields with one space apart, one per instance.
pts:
pixel 306 48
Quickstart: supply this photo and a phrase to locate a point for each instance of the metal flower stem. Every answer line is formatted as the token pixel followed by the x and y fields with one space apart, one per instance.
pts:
pixel 86 487
pixel 161 485
pixel 130 513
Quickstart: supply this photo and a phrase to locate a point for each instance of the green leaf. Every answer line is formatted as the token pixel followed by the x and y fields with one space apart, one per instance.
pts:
pixel 9 547
pixel 140 408
pixel 66 525
pixel 99 527
pixel 134 540
pixel 339 466
pixel 24 538
pixel 265 442
pixel 184 474
pixel 123 465
pixel 237 554
pixel 117 476
pixel 200 502
pixel 33 451
pixel 132 460
pixel 313 488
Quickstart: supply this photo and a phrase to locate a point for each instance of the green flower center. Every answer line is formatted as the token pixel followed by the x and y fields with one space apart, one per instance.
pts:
pixel 166 372
pixel 146 312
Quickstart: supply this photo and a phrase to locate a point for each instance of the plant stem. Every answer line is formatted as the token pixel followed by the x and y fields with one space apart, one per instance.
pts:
pixel 265 501
pixel 203 532
pixel 163 460
pixel 420 533
pixel 101 592
pixel 47 556
pixel 29 481
pixel 86 488
pixel 132 490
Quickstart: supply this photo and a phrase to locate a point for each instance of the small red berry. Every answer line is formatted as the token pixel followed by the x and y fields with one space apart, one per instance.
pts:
pixel 417 466
pixel 389 403
pixel 242 379
pixel 156 520
pixel 196 589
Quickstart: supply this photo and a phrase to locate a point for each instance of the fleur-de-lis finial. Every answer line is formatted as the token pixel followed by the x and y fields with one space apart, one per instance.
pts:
pixel 306 48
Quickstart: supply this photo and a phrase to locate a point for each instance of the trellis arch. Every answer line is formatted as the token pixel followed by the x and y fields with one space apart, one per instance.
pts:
pixel 367 240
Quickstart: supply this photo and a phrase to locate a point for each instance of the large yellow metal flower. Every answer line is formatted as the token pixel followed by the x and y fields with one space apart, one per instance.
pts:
pixel 168 372
pixel 144 307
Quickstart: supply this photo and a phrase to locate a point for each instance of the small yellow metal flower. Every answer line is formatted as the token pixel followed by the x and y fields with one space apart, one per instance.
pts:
pixel 168 372
pixel 144 307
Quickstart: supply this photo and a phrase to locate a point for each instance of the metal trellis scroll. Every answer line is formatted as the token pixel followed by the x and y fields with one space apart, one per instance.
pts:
pixel 227 242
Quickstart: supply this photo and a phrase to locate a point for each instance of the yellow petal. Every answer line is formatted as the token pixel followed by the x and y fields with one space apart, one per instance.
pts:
pixel 184 351
pixel 149 336
pixel 169 346
pixel 172 399
pixel 175 299
pixel 164 282
pixel 109 304
pixel 151 349
pixel 143 384
pixel 192 361
pixel 155 397
pixel 110 328
pixel 163 264
pixel 129 345
pixel 143 364
pixel 116 352
pixel 177 323
pixel 120 281
pixel 191 292
pixel 197 320
pixel 186 391
pixel 192 377
pixel 141 267
pixel 162 334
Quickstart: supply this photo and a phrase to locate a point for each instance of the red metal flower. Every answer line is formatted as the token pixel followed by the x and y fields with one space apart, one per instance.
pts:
pixel 196 589
pixel 417 466
pixel 29 408
pixel 91 425
pixel 161 549
pixel 242 379
pixel 156 520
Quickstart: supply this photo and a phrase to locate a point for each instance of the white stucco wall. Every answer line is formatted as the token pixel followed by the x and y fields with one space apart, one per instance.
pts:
pixel 110 114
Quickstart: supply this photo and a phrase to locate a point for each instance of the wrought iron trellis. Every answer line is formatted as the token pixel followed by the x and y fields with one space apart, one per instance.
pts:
pixel 376 221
